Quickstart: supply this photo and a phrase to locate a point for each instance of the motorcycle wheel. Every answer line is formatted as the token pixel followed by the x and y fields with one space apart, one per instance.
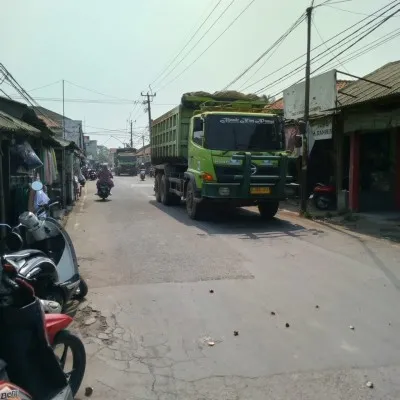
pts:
pixel 56 295
pixel 69 341
pixel 321 203
pixel 82 290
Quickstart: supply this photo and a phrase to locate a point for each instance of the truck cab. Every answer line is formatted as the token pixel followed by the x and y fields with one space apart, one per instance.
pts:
pixel 234 157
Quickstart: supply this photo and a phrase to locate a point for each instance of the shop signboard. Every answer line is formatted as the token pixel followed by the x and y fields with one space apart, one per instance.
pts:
pixel 323 95
pixel 321 128
pixel 73 131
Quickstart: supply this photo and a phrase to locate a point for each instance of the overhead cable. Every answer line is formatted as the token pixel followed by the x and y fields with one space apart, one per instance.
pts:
pixel 210 45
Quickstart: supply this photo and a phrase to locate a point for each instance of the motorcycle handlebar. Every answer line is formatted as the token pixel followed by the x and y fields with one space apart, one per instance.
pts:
pixel 46 207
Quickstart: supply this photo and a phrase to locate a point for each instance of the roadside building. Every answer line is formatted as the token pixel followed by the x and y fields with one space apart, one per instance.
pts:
pixel 368 140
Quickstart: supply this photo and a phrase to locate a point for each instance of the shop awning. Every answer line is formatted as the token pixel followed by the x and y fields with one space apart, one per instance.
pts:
pixel 9 124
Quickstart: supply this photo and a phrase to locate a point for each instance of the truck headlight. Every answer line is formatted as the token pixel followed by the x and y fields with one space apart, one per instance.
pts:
pixel 224 191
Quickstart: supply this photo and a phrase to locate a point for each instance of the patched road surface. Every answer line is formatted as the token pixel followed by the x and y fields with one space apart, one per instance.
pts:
pixel 231 309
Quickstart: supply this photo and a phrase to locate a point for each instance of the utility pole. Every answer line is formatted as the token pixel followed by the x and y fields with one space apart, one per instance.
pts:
pixel 149 99
pixel 131 134
pixel 304 191
pixel 63 120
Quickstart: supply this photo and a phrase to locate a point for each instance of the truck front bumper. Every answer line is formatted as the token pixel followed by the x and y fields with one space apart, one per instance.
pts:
pixel 231 191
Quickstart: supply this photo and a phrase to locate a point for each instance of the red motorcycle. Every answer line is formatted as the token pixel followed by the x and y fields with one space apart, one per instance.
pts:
pixel 324 196
pixel 29 365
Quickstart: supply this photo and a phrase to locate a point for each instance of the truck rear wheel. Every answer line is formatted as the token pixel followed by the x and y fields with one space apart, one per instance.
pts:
pixel 193 208
pixel 167 198
pixel 268 209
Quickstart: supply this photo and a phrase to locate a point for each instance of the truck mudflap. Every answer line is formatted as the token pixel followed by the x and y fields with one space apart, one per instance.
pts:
pixel 248 185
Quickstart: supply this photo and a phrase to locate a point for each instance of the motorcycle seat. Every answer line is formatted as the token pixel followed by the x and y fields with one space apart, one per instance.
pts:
pixel 20 255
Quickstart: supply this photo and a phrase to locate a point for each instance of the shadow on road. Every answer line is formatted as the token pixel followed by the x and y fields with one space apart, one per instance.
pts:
pixel 239 221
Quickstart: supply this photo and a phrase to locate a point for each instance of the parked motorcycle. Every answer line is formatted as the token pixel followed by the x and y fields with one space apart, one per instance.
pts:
pixel 29 367
pixel 103 191
pixel 142 174
pixel 324 196
pixel 50 264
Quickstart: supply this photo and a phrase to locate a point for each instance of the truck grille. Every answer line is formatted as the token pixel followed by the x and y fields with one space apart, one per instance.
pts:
pixel 227 174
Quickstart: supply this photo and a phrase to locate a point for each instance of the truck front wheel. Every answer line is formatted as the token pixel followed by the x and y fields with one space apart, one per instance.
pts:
pixel 268 209
pixel 193 208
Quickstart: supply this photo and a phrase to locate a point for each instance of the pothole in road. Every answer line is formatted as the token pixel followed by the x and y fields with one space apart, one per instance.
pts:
pixel 92 324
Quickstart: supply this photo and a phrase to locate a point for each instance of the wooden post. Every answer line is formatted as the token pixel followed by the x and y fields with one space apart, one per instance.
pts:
pixel 397 177
pixel 354 184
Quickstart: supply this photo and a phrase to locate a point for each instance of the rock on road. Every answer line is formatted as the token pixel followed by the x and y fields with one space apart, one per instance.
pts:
pixel 169 293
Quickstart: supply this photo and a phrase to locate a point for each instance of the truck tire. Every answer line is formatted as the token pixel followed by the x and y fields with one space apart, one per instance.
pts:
pixel 193 208
pixel 167 198
pixel 157 188
pixel 268 209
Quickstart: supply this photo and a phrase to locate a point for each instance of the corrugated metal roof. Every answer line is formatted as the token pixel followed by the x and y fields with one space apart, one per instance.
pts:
pixel 361 92
pixel 11 124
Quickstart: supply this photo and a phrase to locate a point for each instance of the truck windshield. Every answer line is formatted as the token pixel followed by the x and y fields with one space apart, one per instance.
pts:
pixel 246 133
pixel 128 158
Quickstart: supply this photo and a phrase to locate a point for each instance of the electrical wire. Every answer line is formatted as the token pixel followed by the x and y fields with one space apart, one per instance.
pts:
pixel 45 86
pixel 317 47
pixel 196 44
pixel 274 45
pixel 324 43
pixel 360 52
pixel 351 12
pixel 265 61
pixel 19 89
pixel 187 43
pixel 361 38
pixel 97 92
pixel 209 46
pixel 323 54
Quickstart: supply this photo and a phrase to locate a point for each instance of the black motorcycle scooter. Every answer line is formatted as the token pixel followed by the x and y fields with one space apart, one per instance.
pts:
pixel 58 279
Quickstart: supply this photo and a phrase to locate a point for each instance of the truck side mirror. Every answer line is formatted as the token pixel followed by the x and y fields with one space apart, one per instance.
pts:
pixel 198 125
pixel 298 141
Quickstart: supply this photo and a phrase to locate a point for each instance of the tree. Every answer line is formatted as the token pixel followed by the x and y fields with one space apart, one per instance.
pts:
pixel 103 154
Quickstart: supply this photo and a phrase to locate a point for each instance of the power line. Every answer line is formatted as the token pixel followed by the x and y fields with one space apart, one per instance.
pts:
pixel 360 52
pixel 274 45
pixel 201 38
pixel 361 38
pixel 187 43
pixel 324 43
pixel 321 55
pixel 352 12
pixel 212 43
pixel 263 64
pixel 317 47
pixel 45 86
pixel 20 90
pixel 100 93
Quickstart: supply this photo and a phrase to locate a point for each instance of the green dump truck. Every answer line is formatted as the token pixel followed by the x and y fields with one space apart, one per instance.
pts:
pixel 215 152
pixel 125 161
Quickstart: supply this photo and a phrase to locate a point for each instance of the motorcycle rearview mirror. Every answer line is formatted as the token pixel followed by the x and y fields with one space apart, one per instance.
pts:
pixel 37 186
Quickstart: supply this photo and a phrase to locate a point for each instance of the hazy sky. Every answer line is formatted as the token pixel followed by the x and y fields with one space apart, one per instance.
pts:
pixel 119 47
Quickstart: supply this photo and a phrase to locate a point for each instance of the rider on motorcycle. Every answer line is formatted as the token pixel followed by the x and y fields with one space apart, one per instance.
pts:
pixel 105 177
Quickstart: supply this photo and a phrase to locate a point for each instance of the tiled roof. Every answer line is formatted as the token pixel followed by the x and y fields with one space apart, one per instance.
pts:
pixel 361 91
pixel 11 124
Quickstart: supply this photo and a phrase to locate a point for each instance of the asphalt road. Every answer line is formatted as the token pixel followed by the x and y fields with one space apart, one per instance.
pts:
pixel 314 310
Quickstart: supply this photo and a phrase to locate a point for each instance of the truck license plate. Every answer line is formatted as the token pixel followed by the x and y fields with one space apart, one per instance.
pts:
pixel 260 190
